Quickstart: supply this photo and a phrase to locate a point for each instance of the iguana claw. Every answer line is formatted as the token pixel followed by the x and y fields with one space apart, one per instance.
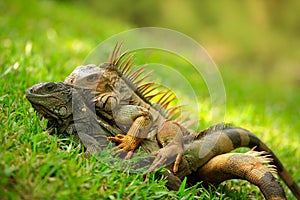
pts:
pixel 166 156
pixel 127 143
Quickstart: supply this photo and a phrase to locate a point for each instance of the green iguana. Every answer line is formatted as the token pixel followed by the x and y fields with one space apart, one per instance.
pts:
pixel 121 97
pixel 54 102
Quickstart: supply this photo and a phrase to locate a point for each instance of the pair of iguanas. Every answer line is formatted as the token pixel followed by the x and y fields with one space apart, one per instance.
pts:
pixel 108 101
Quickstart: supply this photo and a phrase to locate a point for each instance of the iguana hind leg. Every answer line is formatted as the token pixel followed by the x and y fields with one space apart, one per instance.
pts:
pixel 250 166
pixel 170 135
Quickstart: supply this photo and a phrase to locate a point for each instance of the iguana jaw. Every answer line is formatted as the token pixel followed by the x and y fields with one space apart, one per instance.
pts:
pixel 53 120
pixel 44 112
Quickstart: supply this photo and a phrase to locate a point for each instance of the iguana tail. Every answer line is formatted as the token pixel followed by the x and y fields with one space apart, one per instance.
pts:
pixel 220 139
pixel 249 166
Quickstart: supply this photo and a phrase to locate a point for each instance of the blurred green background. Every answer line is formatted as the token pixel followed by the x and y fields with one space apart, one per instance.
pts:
pixel 252 36
pixel 260 36
pixel 255 44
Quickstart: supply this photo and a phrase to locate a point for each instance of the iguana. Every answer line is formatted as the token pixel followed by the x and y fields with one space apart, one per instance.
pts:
pixel 121 96
pixel 214 166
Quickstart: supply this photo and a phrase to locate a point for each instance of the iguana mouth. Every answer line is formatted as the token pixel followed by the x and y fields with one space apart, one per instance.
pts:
pixel 44 112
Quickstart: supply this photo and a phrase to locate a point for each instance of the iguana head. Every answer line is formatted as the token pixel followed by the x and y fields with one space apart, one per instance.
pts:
pixel 86 76
pixel 53 101
pixel 104 77
pixel 92 77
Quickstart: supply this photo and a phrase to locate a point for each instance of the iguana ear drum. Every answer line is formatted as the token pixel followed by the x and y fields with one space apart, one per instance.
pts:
pixel 62 111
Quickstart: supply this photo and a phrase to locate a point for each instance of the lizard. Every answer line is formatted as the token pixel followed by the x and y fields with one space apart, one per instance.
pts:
pixel 119 91
pixel 214 166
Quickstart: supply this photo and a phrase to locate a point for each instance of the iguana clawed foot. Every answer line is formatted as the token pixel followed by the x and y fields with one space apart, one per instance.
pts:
pixel 127 143
pixel 167 155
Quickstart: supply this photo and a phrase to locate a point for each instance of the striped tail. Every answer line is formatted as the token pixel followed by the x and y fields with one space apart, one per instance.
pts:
pixel 249 166
pixel 220 139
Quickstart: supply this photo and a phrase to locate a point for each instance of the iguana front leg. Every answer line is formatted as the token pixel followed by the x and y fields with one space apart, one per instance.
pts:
pixel 139 120
pixel 128 143
pixel 136 117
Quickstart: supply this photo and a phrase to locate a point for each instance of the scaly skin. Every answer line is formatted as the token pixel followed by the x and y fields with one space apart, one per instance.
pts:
pixel 49 98
pixel 250 166
pixel 119 98
pixel 60 98
pixel 202 156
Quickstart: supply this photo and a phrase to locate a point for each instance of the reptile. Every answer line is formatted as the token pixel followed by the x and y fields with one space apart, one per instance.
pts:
pixel 121 95
pixel 54 102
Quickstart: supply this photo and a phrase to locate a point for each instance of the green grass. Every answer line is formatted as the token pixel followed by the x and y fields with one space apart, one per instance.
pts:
pixel 45 41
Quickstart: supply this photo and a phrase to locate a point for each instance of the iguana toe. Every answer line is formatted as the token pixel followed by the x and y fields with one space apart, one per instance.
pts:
pixel 177 162
pixel 127 143
pixel 118 138
pixel 167 155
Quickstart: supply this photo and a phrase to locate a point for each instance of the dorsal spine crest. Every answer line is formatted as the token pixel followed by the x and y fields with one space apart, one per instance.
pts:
pixel 134 76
